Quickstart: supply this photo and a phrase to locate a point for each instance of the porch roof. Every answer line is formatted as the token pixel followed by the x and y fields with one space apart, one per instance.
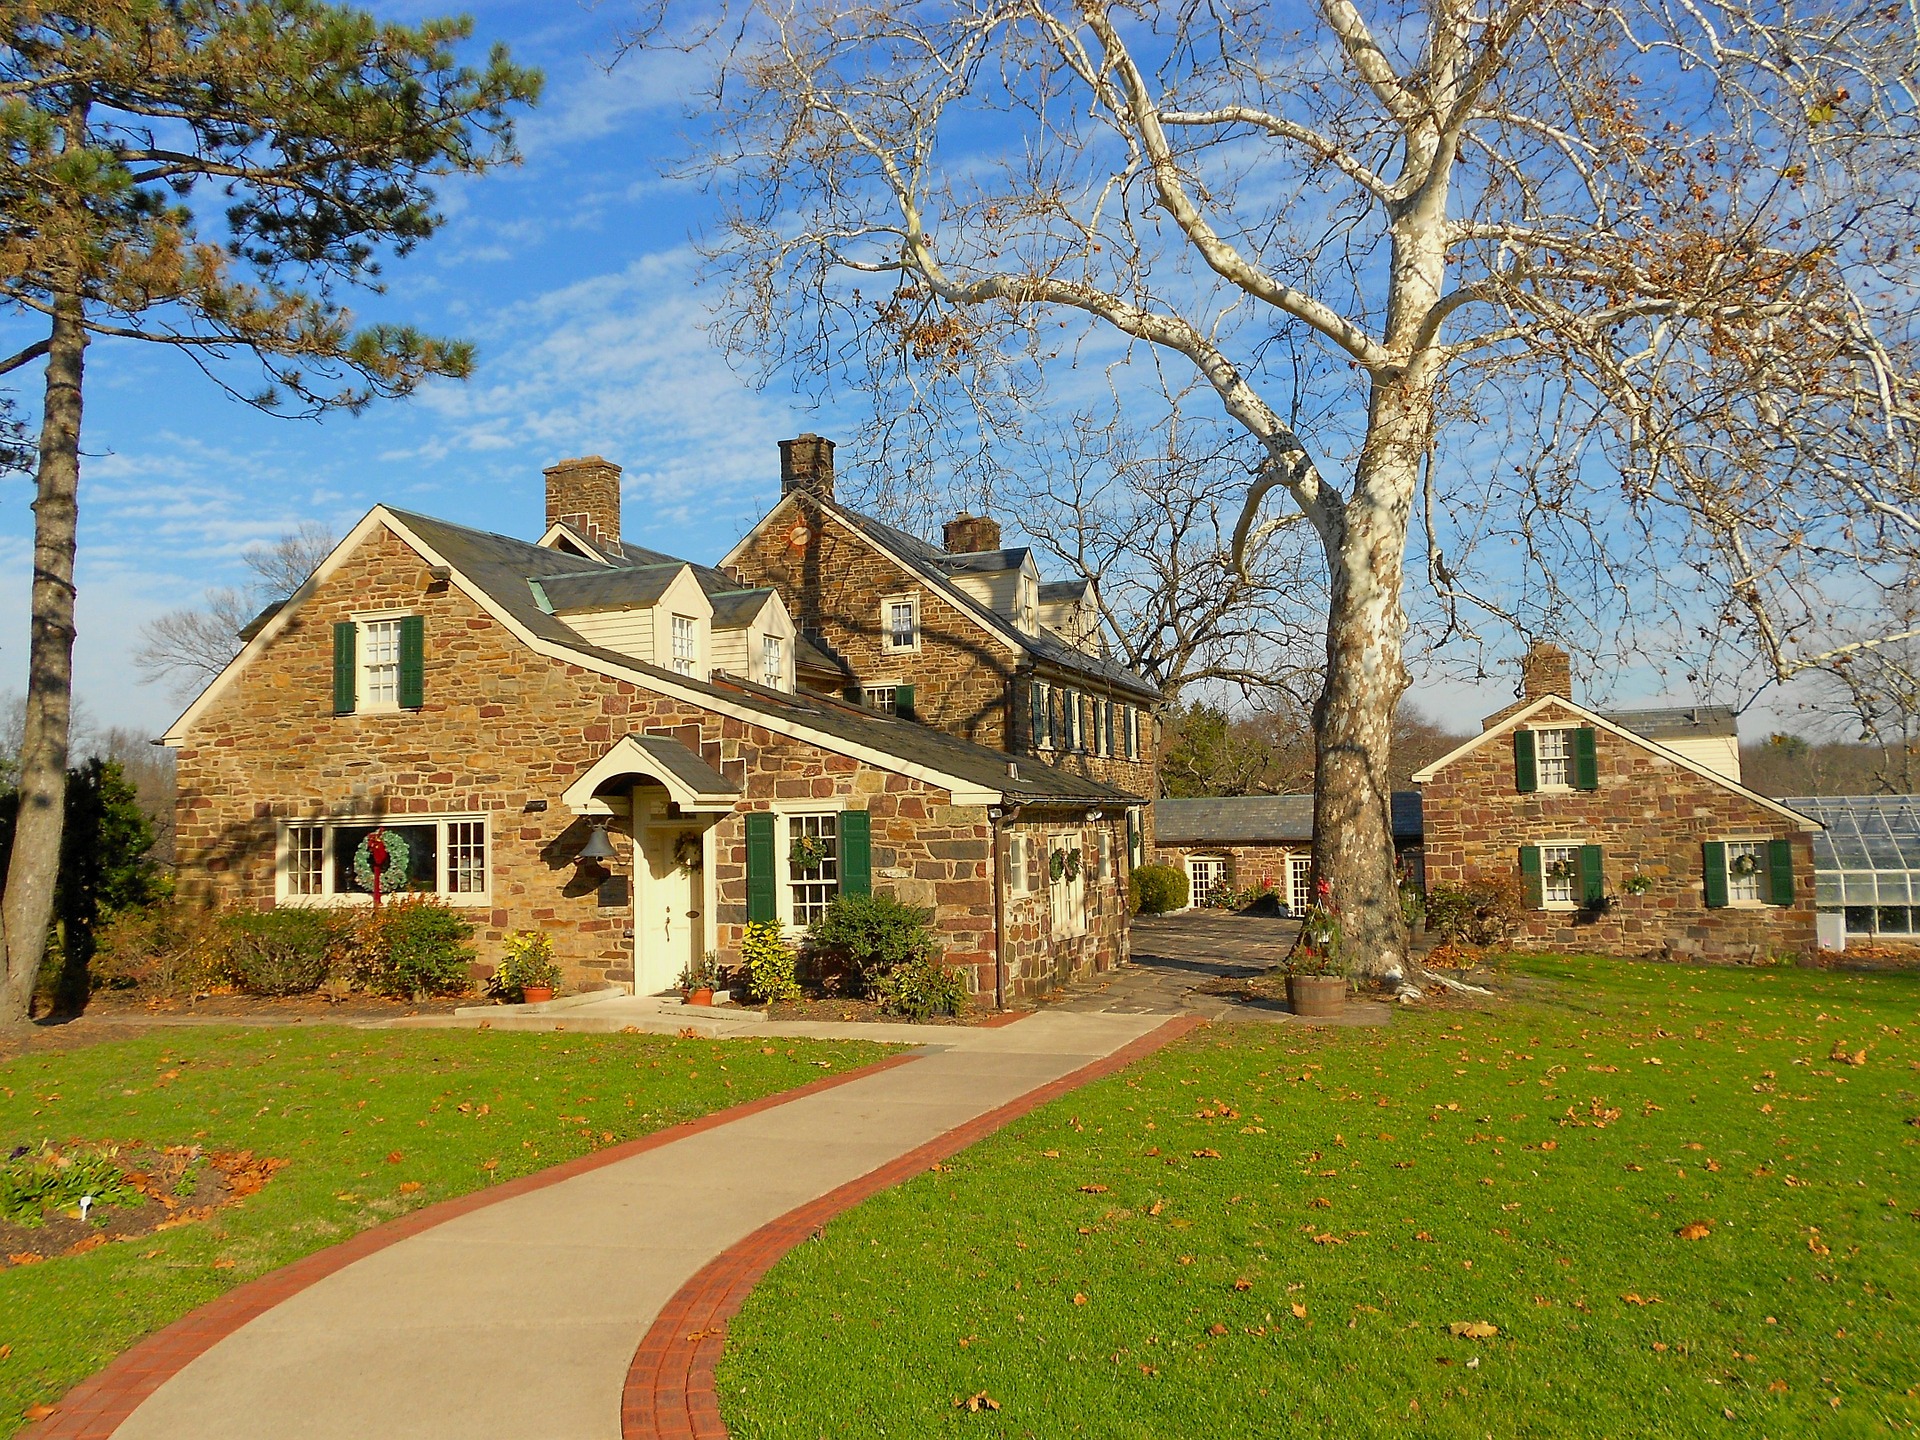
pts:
pixel 690 781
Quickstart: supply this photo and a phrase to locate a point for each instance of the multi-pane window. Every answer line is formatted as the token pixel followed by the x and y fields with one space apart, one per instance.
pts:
pixel 1559 873
pixel 813 864
pixel 1076 738
pixel 1067 884
pixel 1746 866
pixel 379 664
pixel 1205 875
pixel 686 644
pixel 466 857
pixel 903 624
pixel 331 861
pixel 773 662
pixel 1017 865
pixel 1106 855
pixel 1299 883
pixel 306 859
pixel 884 698
pixel 1553 752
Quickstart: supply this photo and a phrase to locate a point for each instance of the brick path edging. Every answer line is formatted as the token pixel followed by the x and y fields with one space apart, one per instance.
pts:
pixel 97 1406
pixel 670 1392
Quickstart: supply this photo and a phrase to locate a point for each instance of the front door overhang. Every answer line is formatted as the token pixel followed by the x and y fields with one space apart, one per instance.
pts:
pixel 690 782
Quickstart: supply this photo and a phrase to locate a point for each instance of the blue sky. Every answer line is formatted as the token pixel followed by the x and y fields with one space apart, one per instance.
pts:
pixel 575 276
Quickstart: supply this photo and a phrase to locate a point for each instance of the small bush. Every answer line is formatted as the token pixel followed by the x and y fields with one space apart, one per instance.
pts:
pixel 921 989
pixel 278 952
pixel 415 948
pixel 1484 911
pixel 1156 889
pixel 870 935
pixel 171 947
pixel 1413 904
pixel 772 966
pixel 528 961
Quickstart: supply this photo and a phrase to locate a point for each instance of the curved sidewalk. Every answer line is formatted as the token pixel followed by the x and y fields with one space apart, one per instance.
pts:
pixel 519 1318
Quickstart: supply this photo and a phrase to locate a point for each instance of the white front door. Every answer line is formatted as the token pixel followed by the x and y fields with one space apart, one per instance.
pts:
pixel 669 928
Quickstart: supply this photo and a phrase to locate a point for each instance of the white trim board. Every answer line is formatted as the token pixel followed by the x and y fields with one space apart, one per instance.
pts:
pixel 1600 722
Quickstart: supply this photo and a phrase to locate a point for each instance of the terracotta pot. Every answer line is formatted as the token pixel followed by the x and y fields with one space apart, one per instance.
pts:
pixel 536 994
pixel 703 996
pixel 1317 995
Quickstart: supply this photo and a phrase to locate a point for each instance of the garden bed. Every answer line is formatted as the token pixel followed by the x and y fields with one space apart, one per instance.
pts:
pixel 868 1011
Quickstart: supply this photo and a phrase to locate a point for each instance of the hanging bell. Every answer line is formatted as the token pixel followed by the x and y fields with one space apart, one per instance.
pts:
pixel 598 848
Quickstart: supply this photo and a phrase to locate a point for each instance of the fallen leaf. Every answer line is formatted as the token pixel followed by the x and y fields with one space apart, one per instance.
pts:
pixel 1156 1207
pixel 1659 1347
pixel 1328 1240
pixel 1320 1202
pixel 1299 1311
pixel 1095 1189
pixel 1695 1230
pixel 1473 1329
pixel 1079 1299
pixel 407 1187
pixel 223 1264
pixel 25 1257
pixel 1216 1328
pixel 1206 1154
pixel 973 1404
pixel 1549 1144
pixel 38 1412
pixel 1777 1387
pixel 1243 1283
pixel 1632 1299
pixel 394 1157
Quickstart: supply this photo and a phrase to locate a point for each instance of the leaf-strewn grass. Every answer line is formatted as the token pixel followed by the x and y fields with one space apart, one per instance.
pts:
pixel 357 1115
pixel 1096 1271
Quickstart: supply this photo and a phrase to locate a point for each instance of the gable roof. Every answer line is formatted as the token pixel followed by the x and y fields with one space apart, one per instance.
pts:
pixel 638 585
pixel 1261 819
pixel 733 609
pixel 983 562
pixel 1680 722
pixel 1053 592
pixel 1519 717
pixel 494 570
pixel 928 564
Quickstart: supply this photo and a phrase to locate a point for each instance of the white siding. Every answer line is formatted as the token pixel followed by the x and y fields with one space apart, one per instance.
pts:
pixel 730 651
pixel 628 631
pixel 1719 753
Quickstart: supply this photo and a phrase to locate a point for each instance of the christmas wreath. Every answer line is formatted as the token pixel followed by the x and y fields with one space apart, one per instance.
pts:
pixel 809 852
pixel 1560 870
pixel 1073 862
pixel 393 878
pixel 1057 866
pixel 1745 864
pixel 687 853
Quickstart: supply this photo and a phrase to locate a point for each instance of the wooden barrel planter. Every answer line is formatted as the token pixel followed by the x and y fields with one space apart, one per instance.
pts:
pixel 1317 996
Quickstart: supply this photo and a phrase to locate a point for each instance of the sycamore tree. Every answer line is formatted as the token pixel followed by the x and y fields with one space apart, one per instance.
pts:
pixel 1609 302
pixel 209 176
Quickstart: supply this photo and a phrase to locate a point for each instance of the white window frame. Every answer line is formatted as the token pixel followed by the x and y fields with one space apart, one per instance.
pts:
pixel 1076 734
pixel 1195 899
pixel 1133 732
pixel 1569 850
pixel 1103 843
pixel 787 814
pixel 888 641
pixel 1067 897
pixel 363 625
pixel 773 662
pixel 1748 891
pixel 1562 762
pixel 1299 883
pixel 684 628
pixel 288 847
pixel 881 699
pixel 1017 865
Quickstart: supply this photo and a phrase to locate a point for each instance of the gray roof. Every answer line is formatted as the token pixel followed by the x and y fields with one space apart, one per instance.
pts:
pixel 1261 819
pixel 685 766
pixel 984 561
pixel 604 589
pixel 1044 646
pixel 1052 592
pixel 811 653
pixel 1678 722
pixel 501 567
pixel 735 608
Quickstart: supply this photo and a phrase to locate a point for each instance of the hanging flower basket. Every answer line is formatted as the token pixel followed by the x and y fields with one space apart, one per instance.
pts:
pixel 809 852
pixel 393 879
pixel 687 851
pixel 1637 884
pixel 1745 865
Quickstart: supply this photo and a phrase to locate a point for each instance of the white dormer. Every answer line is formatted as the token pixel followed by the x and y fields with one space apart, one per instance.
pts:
pixel 753 637
pixel 1012 590
pixel 1068 609
pixel 655 613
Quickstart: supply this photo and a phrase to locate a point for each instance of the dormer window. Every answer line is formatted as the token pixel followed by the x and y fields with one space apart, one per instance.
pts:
pixel 901 618
pixel 773 662
pixel 686 644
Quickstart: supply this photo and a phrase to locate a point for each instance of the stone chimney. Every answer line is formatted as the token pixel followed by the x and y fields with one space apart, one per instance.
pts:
pixel 806 463
pixel 1545 670
pixel 967 534
pixel 584 495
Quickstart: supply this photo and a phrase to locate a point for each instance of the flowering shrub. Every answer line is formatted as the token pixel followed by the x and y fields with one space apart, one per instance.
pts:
pixel 772 965
pixel 527 962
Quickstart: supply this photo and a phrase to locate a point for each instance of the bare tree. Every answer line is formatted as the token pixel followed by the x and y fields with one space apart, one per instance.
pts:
pixel 1669 237
pixel 184 649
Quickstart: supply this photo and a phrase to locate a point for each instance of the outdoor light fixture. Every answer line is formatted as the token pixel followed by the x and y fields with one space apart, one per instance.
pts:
pixel 598 849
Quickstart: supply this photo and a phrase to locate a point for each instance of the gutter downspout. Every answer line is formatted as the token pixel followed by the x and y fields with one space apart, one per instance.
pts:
pixel 996 817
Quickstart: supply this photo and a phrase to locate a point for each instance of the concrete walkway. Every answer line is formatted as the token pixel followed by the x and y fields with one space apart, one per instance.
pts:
pixel 520 1319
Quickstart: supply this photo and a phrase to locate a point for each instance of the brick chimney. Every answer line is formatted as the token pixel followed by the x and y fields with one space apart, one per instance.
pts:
pixel 967 534
pixel 584 495
pixel 1545 670
pixel 806 463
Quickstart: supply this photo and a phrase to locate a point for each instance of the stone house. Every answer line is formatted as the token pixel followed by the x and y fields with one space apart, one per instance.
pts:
pixel 498 706
pixel 1628 832
pixel 1245 842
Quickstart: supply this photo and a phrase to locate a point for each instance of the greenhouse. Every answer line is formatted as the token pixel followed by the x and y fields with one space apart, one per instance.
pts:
pixel 1867 861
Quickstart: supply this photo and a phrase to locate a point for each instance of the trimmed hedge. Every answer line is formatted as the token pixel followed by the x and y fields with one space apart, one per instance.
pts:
pixel 1156 889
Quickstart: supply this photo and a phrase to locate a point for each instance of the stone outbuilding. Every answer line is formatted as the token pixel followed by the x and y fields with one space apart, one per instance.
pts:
pixel 1245 842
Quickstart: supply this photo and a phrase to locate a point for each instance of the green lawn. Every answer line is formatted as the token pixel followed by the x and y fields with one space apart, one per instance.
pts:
pixel 358 1115
pixel 1096 1271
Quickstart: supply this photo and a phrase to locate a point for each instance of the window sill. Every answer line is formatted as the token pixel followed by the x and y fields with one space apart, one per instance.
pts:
pixel 356 901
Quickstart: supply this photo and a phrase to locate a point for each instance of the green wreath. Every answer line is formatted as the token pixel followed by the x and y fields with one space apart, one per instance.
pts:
pixel 394 878
pixel 809 852
pixel 1073 863
pixel 1057 866
pixel 1745 865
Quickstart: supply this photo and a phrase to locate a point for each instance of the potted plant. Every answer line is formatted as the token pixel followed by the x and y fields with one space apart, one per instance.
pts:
pixel 696 981
pixel 527 972
pixel 1317 966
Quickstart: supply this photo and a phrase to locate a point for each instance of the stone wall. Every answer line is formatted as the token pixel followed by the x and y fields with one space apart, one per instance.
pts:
pixel 1247 865
pixel 1037 958
pixel 502 729
pixel 1650 815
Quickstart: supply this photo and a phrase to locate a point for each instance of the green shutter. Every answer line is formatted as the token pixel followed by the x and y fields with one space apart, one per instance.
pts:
pixel 344 634
pixel 413 661
pixel 1053 718
pixel 1035 720
pixel 1109 710
pixel 1780 872
pixel 903 701
pixel 762 896
pixel 1593 874
pixel 1586 759
pixel 1530 878
pixel 1526 778
pixel 856 852
pixel 1713 868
